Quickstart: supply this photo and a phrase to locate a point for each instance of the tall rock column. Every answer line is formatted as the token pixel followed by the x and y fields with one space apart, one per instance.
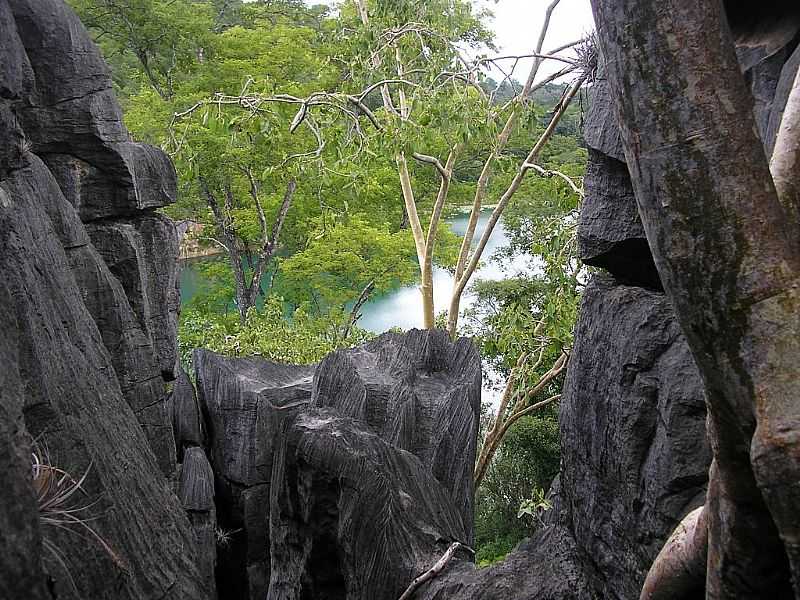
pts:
pixel 87 320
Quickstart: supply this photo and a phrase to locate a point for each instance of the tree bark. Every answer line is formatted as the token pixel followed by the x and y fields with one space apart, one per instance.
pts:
pixel 728 257
pixel 785 161
pixel 680 568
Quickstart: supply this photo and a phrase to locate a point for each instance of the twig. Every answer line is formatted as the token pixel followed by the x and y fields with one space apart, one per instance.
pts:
pixel 548 173
pixel 434 570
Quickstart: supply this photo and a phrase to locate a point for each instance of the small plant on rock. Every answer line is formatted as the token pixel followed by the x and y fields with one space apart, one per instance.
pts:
pixel 58 499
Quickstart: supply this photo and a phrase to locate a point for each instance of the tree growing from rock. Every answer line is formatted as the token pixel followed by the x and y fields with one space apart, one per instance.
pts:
pixel 720 214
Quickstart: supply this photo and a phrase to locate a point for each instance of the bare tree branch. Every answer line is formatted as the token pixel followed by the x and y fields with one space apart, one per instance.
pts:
pixel 519 408
pixel 434 570
pixel 465 273
pixel 549 173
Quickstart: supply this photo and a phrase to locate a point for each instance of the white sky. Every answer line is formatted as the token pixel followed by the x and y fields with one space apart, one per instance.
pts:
pixel 517 24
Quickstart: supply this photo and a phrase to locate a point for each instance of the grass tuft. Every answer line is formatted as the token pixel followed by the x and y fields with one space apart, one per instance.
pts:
pixel 58 497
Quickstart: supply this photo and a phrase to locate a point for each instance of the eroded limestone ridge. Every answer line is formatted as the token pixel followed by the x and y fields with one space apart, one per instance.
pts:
pixel 88 305
pixel 346 479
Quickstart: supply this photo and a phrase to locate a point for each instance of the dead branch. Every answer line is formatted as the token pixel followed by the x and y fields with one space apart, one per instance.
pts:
pixel 549 173
pixel 355 313
pixel 435 569
pixel 464 273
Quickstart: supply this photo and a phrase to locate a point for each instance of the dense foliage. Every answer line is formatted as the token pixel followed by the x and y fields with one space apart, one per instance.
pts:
pixel 255 99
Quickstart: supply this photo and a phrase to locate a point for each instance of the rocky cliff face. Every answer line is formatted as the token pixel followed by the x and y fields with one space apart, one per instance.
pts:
pixel 88 303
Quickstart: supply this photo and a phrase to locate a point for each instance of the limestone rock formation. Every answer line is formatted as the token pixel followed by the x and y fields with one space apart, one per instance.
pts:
pixel 349 478
pixel 196 493
pixel 87 316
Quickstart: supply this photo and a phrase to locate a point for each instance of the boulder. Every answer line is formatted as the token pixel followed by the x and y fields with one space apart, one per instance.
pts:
pixel 633 448
pixel 394 421
pixel 246 402
pixel 131 350
pixel 601 129
pixel 352 516
pixel 187 421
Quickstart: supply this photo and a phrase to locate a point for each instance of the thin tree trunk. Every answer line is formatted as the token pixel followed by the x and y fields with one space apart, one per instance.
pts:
pixel 355 314
pixel 519 409
pixel 230 243
pixel 728 257
pixel 426 286
pixel 460 284
pixel 270 241
pixel 500 145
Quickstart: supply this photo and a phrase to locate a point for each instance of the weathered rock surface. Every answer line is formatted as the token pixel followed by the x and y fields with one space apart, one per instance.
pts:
pixel 71 397
pixel 196 493
pixel 347 478
pixel 21 575
pixel 142 254
pixel 352 516
pixel 610 233
pixel 85 344
pixel 187 420
pixel 246 402
pixel 634 453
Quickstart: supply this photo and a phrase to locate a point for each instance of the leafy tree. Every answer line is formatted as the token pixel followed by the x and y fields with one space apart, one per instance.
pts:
pixel 523 469
pixel 347 255
pixel 439 109
pixel 163 37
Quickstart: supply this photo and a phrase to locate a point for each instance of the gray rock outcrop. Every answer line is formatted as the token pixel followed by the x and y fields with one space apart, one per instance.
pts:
pixel 346 478
pixel 87 315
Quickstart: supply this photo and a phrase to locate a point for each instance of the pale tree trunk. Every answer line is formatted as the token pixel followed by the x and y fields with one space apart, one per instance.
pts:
pixel 680 568
pixel 727 254
pixel 419 239
pixel 460 283
pixel 785 162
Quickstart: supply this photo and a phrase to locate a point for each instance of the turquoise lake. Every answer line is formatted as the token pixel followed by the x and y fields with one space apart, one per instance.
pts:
pixel 401 307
